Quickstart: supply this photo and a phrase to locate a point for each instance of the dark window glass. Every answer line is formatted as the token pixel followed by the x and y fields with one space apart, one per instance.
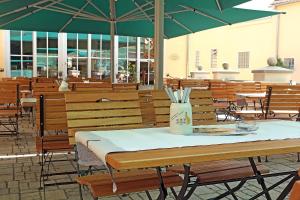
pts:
pixel 15 42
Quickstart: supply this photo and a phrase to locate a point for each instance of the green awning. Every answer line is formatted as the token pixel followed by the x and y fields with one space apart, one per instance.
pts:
pixel 133 17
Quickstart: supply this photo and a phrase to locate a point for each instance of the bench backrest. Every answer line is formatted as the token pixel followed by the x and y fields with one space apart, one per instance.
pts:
pixel 194 83
pixel 44 87
pixel 96 86
pixel 202 107
pixel 125 86
pixel 102 111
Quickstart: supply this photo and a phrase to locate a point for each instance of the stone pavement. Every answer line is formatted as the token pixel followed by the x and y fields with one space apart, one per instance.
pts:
pixel 19 174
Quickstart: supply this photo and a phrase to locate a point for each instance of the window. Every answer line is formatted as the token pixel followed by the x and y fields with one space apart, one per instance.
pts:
pixel 47 54
pixel 289 63
pixel 147 61
pixel 21 53
pixel 214 57
pixel 243 59
pixel 77 54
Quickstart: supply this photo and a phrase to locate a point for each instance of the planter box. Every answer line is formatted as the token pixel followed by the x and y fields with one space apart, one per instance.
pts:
pixel 273 74
pixel 225 74
pixel 200 75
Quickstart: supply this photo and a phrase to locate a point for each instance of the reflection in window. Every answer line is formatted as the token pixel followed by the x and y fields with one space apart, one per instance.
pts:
pixel 77 54
pixel 47 54
pixel 21 53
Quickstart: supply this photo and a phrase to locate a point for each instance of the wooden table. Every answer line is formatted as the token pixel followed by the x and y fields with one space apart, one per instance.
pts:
pixel 185 156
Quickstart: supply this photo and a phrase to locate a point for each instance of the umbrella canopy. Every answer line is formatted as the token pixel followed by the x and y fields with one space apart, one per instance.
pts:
pixel 130 17
pixel 125 17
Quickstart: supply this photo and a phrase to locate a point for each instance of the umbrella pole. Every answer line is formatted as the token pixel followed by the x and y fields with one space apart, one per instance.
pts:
pixel 159 44
pixel 112 42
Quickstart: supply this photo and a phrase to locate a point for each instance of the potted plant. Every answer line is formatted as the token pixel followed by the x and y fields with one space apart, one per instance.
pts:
pixel 225 66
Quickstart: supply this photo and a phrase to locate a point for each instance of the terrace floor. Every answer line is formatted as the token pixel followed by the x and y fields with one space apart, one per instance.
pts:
pixel 19 174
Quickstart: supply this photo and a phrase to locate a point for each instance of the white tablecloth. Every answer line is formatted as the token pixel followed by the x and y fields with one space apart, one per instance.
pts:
pixel 251 95
pixel 103 142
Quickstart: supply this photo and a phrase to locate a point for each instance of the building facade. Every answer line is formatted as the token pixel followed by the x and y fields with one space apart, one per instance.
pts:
pixel 245 46
pixel 45 54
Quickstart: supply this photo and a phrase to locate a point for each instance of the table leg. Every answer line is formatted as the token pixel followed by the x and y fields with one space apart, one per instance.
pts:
pixel 289 187
pixel 186 180
pixel 162 189
pixel 260 179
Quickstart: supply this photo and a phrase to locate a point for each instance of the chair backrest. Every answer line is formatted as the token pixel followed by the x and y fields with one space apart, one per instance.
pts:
pixel 102 111
pixel 283 97
pixel 202 107
pixel 125 86
pixel 10 93
pixel 51 108
pixel 96 86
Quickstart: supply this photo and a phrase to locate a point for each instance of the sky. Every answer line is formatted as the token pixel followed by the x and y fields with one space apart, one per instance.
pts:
pixel 257 5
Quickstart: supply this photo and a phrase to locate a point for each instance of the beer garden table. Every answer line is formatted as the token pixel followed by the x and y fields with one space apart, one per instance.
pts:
pixel 157 148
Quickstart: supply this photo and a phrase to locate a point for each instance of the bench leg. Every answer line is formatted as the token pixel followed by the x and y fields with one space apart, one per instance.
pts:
pixel 289 187
pixel 298 157
pixel 231 191
pixel 260 179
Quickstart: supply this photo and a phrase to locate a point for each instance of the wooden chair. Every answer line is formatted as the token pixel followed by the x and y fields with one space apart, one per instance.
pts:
pixel 283 102
pixel 9 108
pixel 52 118
pixel 107 111
pixel 295 193
pixel 204 114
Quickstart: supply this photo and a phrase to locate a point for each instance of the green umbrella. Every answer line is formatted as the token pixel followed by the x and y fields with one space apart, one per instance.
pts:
pixel 125 17
pixel 132 17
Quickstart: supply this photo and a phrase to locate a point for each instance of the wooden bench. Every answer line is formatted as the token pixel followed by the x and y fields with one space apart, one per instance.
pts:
pixel 125 86
pixel 108 111
pixel 195 84
pixel 203 114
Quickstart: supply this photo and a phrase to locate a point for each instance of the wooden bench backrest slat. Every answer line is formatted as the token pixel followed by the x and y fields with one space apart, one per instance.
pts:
pixel 102 111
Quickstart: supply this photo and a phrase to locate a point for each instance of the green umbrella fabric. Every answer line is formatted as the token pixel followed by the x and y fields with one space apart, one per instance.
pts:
pixel 132 17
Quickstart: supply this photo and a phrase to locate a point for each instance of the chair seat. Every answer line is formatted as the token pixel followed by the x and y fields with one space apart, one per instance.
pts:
pixel 127 182
pixel 220 170
pixel 8 113
pixel 53 143
pixel 295 193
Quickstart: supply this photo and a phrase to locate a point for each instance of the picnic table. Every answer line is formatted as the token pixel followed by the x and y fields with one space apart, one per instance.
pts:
pixel 157 148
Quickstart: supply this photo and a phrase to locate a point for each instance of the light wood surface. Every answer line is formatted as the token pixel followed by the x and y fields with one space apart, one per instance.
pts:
pixel 189 155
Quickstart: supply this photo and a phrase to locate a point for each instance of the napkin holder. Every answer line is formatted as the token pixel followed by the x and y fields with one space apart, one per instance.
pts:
pixel 181 118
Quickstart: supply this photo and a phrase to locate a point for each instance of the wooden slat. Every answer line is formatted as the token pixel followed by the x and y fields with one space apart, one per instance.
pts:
pixel 178 156
pixel 92 97
pixel 103 105
pixel 103 121
pixel 101 113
